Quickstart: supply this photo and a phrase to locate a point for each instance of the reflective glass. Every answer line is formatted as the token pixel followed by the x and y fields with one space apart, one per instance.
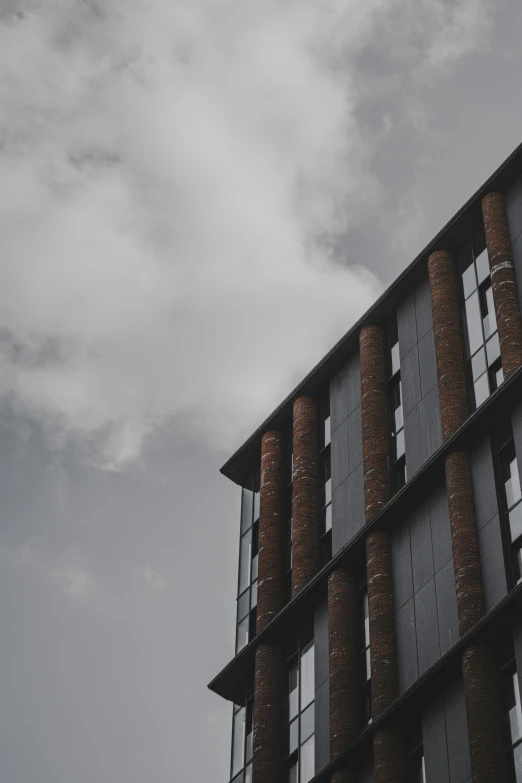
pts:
pixel 242 634
pixel 489 320
pixel 481 387
pixel 292 773
pixel 240 778
pixel 293 696
pixel 249 747
pixel 518 564
pixel 256 505
pixel 469 280
pixel 482 264
pixel 474 323
pixel 515 714
pixel 307 759
pixel 248 774
pixel 307 722
pixel 517 758
pixel 499 377
pixel 293 736
pixel 366 620
pixel 399 423
pixel 307 676
pixel 327 433
pixel 515 522
pixel 395 359
pixel 328 518
pixel 400 443
pixel 238 741
pixel 253 602
pixel 368 661
pixel 247 504
pixel 478 364
pixel 328 491
pixel 243 605
pixel 245 559
pixel 492 349
pixel 255 567
pixel 512 485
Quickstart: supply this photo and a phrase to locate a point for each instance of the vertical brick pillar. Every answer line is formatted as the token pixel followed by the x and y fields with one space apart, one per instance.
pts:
pixel 342 628
pixel 503 281
pixel 304 493
pixel 267 714
pixel 388 752
pixel 478 673
pixel 271 523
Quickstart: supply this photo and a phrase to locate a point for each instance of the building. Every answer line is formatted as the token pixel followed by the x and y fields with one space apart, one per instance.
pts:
pixel 379 625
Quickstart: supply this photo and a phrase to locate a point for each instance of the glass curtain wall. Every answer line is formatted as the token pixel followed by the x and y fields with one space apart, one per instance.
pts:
pixel 325 483
pixel 510 499
pixel 396 418
pixel 248 555
pixel 511 709
pixel 299 713
pixel 243 737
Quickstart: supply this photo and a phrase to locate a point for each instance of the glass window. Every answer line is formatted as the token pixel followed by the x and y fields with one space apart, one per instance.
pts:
pixel 243 605
pixel 493 349
pixel 248 774
pixel 474 323
pixel 307 675
pixel 327 432
pixel 247 505
pixel 307 758
pixel 481 390
pixel 489 321
pixel 482 264
pixel 478 364
pixel 307 722
pixel 245 559
pixel 299 715
pixel 469 280
pixel 242 634
pixel 238 740
pixel 256 505
pixel 395 358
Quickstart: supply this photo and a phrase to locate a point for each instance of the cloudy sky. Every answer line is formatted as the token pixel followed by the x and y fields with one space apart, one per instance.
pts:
pixel 198 198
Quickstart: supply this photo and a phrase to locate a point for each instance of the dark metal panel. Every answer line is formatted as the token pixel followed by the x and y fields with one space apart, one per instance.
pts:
pixel 423 312
pixel 428 646
pixel 457 733
pixel 517 643
pixel 354 424
pixel 322 726
pixel 353 384
pixel 338 397
pixel 427 363
pixel 516 421
pixel 516 246
pixel 366 773
pixel 431 422
pixel 421 546
pixel 514 209
pixel 322 658
pixel 410 377
pixel 407 666
pixel 355 501
pixel 414 435
pixel 434 743
pixel 448 620
pixel 401 564
pixel 492 563
pixel 406 324
pixel 340 527
pixel 339 449
pixel 440 527
pixel 483 478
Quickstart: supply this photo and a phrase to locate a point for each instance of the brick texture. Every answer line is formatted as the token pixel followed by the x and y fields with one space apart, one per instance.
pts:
pixel 503 281
pixel 389 764
pixel 267 714
pixel 485 737
pixel 304 493
pixel 342 625
pixel 271 523
pixel 380 606
pixel 477 666
pixel 374 406
pixel 464 539
pixel 344 776
pixel 448 342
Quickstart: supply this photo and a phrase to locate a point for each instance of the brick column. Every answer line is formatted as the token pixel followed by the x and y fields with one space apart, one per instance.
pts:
pixel 271 523
pixel 503 281
pixel 478 673
pixel 342 628
pixel 268 665
pixel 388 752
pixel 267 714
pixel 304 493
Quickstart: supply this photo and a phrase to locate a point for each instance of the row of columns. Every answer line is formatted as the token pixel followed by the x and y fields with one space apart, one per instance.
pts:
pixel 477 662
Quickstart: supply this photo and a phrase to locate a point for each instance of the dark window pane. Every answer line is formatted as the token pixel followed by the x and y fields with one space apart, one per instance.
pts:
pixel 399 440
pixel 469 280
pixel 307 759
pixel 327 433
pixel 489 320
pixel 366 616
pixel 517 562
pixel 517 758
pixel 249 747
pixel 399 421
pixel 515 714
pixel 481 388
pixel 307 676
pixel 493 349
pixel 240 778
pixel 511 476
pixel 242 634
pixel 256 506
pixel 255 567
pixel 474 323
pixel 243 605
pixel 399 474
pixel 293 736
pixel 245 560
pixel 247 505
pixel 292 773
pixel 307 722
pixel 478 364
pixel 328 518
pixel 253 595
pixel 482 264
pixel 248 774
pixel 498 374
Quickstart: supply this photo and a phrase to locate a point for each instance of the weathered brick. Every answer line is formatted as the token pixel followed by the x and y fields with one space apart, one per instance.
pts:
pixel 503 282
pixel 267 714
pixel 389 764
pixel 304 493
pixel 342 628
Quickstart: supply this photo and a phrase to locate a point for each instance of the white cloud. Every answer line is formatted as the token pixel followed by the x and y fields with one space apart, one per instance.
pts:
pixel 154 580
pixel 75 581
pixel 169 173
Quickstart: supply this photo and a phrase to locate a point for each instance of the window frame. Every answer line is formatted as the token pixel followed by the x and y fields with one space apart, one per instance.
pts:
pixel 245 701
pixel 502 443
pixel 506 666
pixel 292 759
pixel 399 473
pixel 324 519
pixel 249 531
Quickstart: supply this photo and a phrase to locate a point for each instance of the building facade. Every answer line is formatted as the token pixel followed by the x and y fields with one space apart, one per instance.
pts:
pixel 379 623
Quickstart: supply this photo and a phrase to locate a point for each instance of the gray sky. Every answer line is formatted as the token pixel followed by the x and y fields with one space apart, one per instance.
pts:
pixel 198 199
